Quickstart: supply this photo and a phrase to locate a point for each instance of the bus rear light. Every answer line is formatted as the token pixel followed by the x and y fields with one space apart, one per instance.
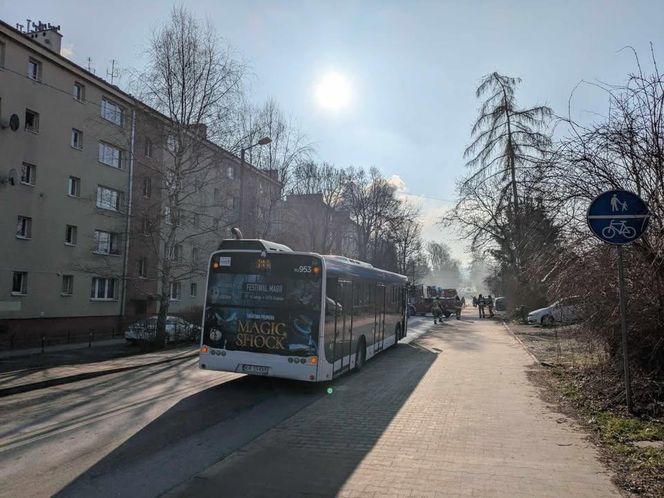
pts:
pixel 314 360
pixel 311 377
pixel 204 349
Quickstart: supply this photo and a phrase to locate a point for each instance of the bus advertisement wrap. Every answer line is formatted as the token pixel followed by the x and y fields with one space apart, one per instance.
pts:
pixel 259 305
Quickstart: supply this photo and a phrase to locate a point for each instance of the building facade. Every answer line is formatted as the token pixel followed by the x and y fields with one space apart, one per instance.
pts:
pixel 82 207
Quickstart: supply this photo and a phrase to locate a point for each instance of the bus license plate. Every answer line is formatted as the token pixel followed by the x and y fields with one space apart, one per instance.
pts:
pixel 255 369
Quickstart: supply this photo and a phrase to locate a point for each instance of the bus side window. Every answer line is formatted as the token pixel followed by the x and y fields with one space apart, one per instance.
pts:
pixel 331 296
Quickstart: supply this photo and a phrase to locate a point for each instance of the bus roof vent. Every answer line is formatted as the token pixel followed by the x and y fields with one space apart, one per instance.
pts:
pixel 252 245
pixel 349 260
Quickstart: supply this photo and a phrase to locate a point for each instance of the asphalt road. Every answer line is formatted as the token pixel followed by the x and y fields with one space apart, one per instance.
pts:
pixel 140 433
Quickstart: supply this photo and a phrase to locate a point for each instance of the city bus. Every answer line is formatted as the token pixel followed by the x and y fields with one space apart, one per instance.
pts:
pixel 276 312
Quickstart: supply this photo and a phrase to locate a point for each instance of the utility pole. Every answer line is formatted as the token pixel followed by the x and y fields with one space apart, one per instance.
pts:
pixel 262 141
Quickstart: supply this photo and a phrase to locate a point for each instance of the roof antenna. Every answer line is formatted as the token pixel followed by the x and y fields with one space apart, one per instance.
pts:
pixel 237 232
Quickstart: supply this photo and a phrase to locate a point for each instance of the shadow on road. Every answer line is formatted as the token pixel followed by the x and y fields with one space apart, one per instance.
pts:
pixel 317 440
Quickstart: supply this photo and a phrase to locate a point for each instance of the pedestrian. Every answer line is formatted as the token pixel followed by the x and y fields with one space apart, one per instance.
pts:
pixel 457 307
pixel 436 312
pixel 480 305
pixel 489 303
pixel 474 302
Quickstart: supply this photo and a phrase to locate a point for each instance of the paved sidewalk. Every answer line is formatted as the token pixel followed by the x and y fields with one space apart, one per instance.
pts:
pixel 18 380
pixel 451 414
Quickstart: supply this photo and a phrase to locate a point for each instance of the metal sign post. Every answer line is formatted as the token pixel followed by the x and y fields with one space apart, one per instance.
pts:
pixel 619 217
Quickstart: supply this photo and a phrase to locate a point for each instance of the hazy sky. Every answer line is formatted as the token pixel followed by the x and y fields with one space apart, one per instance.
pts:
pixel 411 67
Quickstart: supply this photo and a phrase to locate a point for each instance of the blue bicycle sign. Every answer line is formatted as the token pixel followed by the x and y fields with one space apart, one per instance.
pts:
pixel 618 216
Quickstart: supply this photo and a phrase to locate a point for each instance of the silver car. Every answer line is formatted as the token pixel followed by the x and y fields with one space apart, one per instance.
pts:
pixel 562 311
pixel 177 330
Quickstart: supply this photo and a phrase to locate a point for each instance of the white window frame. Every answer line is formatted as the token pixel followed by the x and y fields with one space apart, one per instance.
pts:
pixel 230 203
pixel 35 75
pixel 148 147
pixel 104 195
pixel 24 228
pixel 112 111
pixel 28 174
pixel 71 235
pixel 107 243
pixel 110 155
pixel 230 172
pixel 35 121
pixel 79 91
pixel 142 267
pixel 193 289
pixel 174 291
pixel 74 183
pixel 24 283
pixel 77 139
pixel 67 288
pixel 147 187
pixel 108 286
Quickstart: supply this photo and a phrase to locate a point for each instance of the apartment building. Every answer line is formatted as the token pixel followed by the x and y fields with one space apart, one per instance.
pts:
pixel 83 224
pixel 63 220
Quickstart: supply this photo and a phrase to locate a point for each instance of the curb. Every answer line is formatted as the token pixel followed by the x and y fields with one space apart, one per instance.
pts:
pixel 83 376
pixel 522 343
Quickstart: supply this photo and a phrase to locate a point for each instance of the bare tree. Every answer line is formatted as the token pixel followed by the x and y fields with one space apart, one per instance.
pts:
pixel 193 80
pixel 406 235
pixel 373 206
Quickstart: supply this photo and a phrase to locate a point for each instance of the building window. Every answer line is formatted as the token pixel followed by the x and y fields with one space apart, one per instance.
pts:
pixel 148 147
pixel 79 91
pixel 111 111
pixel 217 194
pixel 31 121
pixel 230 203
pixel 74 186
pixel 171 143
pixel 20 283
pixel 24 227
pixel 176 253
pixel 147 187
pixel 195 254
pixel 67 285
pixel 34 69
pixel 71 235
pixel 197 220
pixel 28 174
pixel 76 139
pixel 193 289
pixel 107 242
pixel 230 172
pixel 143 267
pixel 146 225
pixel 108 199
pixel 109 155
pixel 103 289
pixel 167 215
pixel 174 291
pixel 2 54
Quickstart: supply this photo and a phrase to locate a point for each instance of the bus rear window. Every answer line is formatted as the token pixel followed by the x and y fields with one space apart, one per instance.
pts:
pixel 264 303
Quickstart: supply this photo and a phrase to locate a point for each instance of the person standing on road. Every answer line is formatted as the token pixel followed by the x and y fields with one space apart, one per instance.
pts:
pixel 489 303
pixel 480 305
pixel 436 312
pixel 457 307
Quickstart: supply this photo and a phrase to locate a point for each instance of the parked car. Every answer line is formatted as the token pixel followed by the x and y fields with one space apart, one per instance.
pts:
pixel 411 310
pixel 563 311
pixel 177 330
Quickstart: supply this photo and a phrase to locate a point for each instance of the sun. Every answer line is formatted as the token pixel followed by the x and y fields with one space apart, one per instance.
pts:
pixel 333 91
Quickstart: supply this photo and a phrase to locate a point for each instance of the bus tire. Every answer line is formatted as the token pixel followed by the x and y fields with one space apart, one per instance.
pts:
pixel 360 355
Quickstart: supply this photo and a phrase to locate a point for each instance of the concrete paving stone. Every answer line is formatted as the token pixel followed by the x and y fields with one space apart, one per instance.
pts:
pixel 465 422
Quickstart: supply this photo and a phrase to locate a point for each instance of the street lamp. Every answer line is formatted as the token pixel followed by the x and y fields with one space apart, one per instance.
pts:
pixel 262 141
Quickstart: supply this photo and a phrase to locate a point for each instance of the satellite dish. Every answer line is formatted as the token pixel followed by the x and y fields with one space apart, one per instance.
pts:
pixel 14 122
pixel 12 177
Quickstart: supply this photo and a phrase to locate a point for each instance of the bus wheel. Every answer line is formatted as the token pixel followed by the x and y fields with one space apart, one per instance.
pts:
pixel 360 355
